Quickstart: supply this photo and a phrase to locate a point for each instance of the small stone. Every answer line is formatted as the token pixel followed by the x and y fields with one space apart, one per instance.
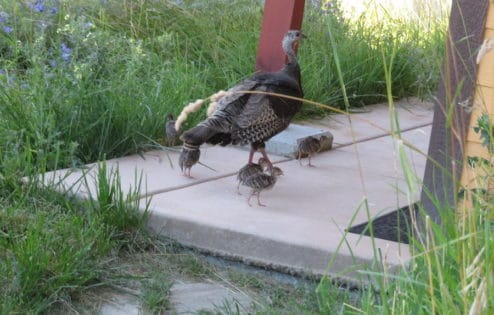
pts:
pixel 190 298
pixel 286 142
pixel 121 304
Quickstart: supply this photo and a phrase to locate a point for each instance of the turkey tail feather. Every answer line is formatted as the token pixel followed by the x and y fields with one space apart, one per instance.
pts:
pixel 203 134
pixel 197 135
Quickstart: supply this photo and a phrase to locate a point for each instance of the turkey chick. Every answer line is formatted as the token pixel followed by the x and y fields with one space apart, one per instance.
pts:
pixel 250 169
pixel 308 146
pixel 188 157
pixel 171 133
pixel 262 181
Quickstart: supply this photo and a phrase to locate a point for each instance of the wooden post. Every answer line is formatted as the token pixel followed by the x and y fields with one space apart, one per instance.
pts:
pixel 279 17
pixel 451 115
pixel 472 176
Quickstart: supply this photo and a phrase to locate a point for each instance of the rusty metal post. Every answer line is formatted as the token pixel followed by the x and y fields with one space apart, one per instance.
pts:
pixel 279 17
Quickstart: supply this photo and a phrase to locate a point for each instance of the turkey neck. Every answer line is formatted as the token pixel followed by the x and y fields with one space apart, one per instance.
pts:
pixel 291 67
pixel 287 46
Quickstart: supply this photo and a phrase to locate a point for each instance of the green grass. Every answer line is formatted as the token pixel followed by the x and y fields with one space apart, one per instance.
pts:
pixel 130 63
pixel 155 294
pixel 125 64
pixel 52 246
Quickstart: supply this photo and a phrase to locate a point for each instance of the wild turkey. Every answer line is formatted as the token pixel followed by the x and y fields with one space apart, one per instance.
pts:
pixel 250 169
pixel 171 133
pixel 308 146
pixel 242 118
pixel 262 181
pixel 188 157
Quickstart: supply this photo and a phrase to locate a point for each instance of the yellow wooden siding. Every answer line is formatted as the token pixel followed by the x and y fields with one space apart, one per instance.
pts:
pixel 484 96
pixel 483 103
pixel 472 175
pixel 485 75
pixel 476 149
pixel 490 18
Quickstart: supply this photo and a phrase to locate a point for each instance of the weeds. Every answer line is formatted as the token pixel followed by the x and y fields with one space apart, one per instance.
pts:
pixel 155 294
pixel 451 266
pixel 52 246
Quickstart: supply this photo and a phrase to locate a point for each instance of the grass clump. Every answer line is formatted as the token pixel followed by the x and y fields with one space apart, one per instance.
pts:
pixel 52 255
pixel 155 294
pixel 52 246
pixel 361 43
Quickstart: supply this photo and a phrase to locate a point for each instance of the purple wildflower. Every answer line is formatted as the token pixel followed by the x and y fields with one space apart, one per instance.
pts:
pixel 4 17
pixel 331 7
pixel 10 79
pixel 326 9
pixel 66 52
pixel 7 29
pixel 38 6
pixel 87 26
pixel 54 10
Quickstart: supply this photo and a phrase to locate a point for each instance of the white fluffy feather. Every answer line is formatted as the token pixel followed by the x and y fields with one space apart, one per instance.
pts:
pixel 190 108
pixel 214 101
pixel 487 45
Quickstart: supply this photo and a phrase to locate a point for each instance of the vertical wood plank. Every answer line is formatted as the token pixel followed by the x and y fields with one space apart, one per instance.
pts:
pixel 483 104
pixel 474 177
pixel 458 79
pixel 489 24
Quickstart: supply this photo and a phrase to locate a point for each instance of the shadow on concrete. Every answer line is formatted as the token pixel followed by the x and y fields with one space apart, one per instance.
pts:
pixel 394 226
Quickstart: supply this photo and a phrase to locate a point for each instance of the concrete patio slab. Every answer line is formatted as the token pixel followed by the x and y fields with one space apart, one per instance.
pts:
pixel 157 171
pixel 308 210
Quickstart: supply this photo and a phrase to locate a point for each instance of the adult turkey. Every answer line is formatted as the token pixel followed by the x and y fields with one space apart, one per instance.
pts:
pixel 246 114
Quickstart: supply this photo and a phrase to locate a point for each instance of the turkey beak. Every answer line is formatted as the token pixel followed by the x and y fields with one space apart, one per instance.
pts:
pixel 297 43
